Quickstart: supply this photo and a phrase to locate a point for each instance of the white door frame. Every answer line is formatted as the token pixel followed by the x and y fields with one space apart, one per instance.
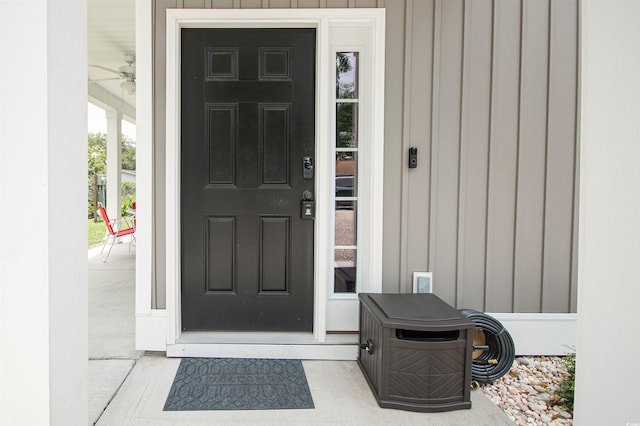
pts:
pixel 324 20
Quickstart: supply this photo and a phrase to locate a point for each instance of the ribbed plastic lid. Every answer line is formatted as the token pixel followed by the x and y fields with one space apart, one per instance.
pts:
pixel 416 307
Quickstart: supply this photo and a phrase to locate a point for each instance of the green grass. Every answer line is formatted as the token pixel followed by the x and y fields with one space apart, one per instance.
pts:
pixel 96 233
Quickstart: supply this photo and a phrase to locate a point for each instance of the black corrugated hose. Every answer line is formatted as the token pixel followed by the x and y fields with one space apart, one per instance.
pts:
pixel 500 348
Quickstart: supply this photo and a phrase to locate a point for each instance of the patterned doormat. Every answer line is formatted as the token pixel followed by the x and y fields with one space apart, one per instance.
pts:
pixel 239 384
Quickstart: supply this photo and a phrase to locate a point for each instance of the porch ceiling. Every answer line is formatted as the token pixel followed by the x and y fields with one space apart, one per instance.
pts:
pixel 110 34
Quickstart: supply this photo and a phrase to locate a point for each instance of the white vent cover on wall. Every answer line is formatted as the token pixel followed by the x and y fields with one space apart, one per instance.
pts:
pixel 423 282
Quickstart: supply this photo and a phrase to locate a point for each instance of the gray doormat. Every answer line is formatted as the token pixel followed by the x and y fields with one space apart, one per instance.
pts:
pixel 239 384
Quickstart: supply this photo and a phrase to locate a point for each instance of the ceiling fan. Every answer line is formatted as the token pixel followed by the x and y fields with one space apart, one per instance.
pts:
pixel 127 73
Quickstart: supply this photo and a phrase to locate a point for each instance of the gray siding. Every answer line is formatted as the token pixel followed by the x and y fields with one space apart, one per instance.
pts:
pixel 492 89
pixel 487 91
pixel 393 153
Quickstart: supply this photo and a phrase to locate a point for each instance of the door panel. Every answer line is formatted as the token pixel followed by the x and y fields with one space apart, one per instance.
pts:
pixel 221 123
pixel 247 120
pixel 220 255
pixel 275 127
pixel 274 254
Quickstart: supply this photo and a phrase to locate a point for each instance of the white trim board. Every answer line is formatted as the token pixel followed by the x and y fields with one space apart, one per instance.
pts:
pixel 540 334
pixel 533 334
pixel 151 330
pixel 148 336
pixel 325 21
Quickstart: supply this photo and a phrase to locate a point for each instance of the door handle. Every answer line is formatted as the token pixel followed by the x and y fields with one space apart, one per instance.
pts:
pixel 307 206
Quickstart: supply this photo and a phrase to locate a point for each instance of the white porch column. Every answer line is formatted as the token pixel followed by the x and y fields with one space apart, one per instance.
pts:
pixel 114 163
pixel 43 212
pixel 608 340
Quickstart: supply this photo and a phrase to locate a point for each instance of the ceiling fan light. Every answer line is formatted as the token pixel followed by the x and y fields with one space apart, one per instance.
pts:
pixel 127 69
pixel 128 86
pixel 129 58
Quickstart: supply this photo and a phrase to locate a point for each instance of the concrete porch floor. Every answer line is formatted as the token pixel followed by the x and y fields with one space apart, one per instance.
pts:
pixel 129 387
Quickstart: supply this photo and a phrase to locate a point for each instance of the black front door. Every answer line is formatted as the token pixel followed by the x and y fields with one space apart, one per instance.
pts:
pixel 248 126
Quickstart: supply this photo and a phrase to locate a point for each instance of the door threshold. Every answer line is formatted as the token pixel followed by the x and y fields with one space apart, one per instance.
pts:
pixel 334 352
pixel 264 345
pixel 201 337
pixel 270 338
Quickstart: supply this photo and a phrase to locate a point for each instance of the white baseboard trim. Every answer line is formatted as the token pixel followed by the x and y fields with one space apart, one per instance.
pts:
pixel 151 331
pixel 319 351
pixel 540 334
pixel 533 334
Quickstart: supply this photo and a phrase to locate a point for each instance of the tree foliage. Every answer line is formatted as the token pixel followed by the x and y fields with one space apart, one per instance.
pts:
pixel 97 163
pixel 344 89
pixel 128 154
pixel 97 154
pixel 346 132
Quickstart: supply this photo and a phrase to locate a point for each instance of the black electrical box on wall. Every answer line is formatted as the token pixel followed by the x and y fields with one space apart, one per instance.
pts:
pixel 413 157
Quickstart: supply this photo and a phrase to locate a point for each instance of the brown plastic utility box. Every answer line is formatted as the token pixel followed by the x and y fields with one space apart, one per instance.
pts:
pixel 415 352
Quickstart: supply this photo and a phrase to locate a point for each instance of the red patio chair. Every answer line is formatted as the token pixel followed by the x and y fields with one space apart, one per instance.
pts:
pixel 115 228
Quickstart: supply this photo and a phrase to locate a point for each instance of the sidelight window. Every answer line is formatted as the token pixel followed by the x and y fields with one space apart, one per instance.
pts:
pixel 346 172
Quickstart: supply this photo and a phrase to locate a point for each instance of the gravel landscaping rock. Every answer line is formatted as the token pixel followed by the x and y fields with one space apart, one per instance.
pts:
pixel 527 394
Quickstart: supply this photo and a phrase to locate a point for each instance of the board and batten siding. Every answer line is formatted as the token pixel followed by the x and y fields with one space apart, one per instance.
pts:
pixel 487 92
pixel 491 105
